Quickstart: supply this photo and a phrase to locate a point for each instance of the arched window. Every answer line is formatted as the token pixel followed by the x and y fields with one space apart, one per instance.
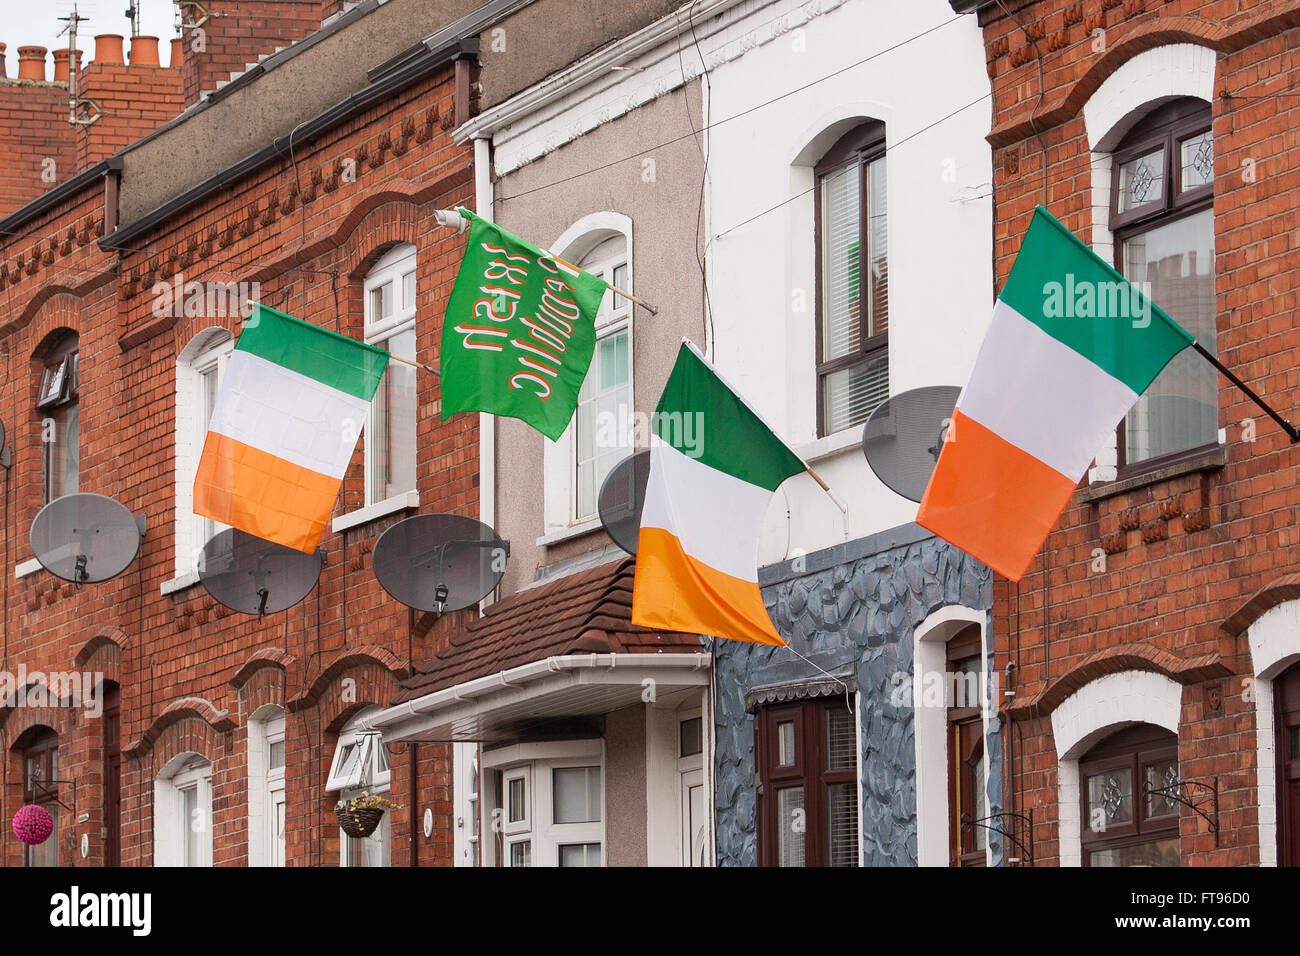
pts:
pixel 40 749
pixel 183 812
pixel 1127 819
pixel 852 279
pixel 56 403
pixel 967 762
pixel 390 325
pixel 1287 729
pixel 361 764
pixel 266 788
pixel 1162 216
pixel 199 370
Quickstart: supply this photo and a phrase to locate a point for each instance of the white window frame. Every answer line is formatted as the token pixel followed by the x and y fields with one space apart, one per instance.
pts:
pixel 536 764
pixel 397 263
pixel 560 463
pixel 353 785
pixel 468 803
pixel 209 350
pixel 266 787
pixel 191 772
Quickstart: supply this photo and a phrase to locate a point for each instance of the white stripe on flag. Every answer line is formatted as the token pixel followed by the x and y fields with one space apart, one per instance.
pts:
pixel 288 415
pixel 716 517
pixel 1041 395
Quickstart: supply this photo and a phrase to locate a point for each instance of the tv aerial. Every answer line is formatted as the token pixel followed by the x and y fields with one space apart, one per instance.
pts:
pixel 85 538
pixel 439 562
pixel 253 576
pixel 622 498
pixel 904 435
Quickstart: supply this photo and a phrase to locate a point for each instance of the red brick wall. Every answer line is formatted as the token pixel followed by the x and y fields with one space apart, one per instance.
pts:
pixel 135 101
pixel 1187 551
pixel 191 673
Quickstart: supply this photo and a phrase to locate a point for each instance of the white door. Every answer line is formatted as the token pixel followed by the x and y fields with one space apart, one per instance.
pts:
pixel 693 830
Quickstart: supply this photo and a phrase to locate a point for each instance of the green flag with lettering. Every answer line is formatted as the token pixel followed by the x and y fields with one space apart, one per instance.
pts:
pixel 519 332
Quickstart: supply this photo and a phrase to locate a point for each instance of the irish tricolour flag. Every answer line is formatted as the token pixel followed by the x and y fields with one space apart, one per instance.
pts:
pixel 284 427
pixel 713 467
pixel 1071 346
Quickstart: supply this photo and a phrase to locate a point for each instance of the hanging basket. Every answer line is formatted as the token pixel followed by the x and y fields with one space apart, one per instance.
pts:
pixel 359 823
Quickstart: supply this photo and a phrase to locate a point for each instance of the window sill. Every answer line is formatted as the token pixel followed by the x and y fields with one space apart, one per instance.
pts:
pixel 572 531
pixel 180 583
pixel 1210 461
pixel 831 445
pixel 30 566
pixel 380 509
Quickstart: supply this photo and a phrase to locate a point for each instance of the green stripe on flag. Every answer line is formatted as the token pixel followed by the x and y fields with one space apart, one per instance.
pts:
pixel 352 367
pixel 705 420
pixel 1073 295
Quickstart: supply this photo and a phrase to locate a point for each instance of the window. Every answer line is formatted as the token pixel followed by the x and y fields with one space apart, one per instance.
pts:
pixel 390 325
pixel 266 789
pixel 1162 196
pixel 808 787
pixel 199 372
pixel 41 786
pixel 601 423
pixel 852 279
pixel 967 766
pixel 1286 691
pixel 551 810
pixel 1126 820
pixel 361 764
pixel 57 405
pixel 112 774
pixel 183 813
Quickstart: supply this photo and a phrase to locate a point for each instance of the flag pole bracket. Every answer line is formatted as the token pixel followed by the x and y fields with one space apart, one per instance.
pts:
pixel 1227 373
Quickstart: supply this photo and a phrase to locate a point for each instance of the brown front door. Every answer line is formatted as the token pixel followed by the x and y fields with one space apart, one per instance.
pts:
pixel 1287 701
pixel 112 775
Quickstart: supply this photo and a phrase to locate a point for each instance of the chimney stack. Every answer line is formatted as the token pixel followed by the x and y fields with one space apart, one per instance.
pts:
pixel 31 63
pixel 108 48
pixel 144 51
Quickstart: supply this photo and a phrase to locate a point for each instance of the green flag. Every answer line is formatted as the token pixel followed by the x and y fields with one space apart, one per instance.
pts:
pixel 519 332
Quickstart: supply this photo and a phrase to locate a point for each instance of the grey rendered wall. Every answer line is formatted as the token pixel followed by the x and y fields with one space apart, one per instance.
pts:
pixel 665 272
pixel 851 608
pixel 625 797
pixel 547 36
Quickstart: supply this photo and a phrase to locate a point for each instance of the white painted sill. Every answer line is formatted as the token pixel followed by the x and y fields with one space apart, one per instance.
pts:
pixel 831 446
pixel 30 566
pixel 180 582
pixel 572 531
pixel 380 509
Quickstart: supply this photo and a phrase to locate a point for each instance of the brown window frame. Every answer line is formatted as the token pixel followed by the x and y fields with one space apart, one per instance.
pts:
pixel 1286 715
pixel 64 353
pixel 41 746
pixel 808 770
pixel 1168 126
pixel 1132 748
pixel 861 145
pixel 963 754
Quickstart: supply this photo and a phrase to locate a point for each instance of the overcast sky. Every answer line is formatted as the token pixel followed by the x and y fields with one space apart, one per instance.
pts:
pixel 36 23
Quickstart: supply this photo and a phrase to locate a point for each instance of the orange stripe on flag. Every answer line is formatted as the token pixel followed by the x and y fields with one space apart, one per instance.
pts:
pixel 274 499
pixel 675 592
pixel 991 499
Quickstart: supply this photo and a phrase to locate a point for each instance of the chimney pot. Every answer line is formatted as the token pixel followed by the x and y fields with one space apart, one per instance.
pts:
pixel 144 51
pixel 2 60
pixel 108 48
pixel 61 61
pixel 178 53
pixel 31 63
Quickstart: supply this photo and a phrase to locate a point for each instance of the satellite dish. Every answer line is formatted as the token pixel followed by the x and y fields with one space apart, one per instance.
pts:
pixel 84 537
pixel 440 562
pixel 253 576
pixel 904 435
pixel 621 498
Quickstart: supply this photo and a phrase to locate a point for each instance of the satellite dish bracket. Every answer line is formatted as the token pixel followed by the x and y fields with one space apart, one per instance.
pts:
pixel 6 457
pixel 142 522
